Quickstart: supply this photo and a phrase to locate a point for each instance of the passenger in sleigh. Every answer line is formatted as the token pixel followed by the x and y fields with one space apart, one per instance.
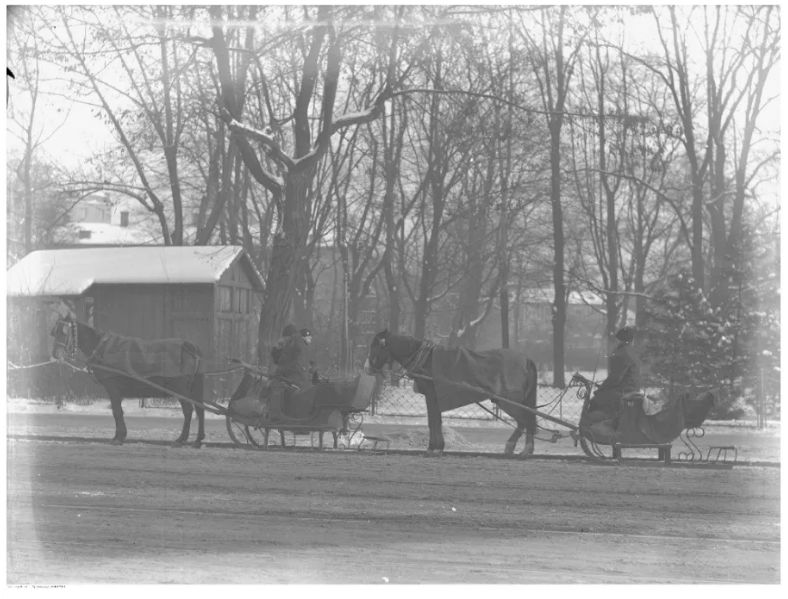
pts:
pixel 623 378
pixel 306 334
pixel 292 373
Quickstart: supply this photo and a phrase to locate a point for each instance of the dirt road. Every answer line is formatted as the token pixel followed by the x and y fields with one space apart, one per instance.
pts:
pixel 87 512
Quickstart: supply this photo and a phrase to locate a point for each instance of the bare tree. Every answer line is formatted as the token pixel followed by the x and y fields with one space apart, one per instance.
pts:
pixel 736 78
pixel 310 134
pixel 26 123
pixel 554 57
pixel 129 66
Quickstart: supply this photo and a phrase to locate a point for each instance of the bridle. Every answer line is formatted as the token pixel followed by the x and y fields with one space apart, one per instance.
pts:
pixel 70 342
pixel 377 369
pixel 418 359
pixel 412 363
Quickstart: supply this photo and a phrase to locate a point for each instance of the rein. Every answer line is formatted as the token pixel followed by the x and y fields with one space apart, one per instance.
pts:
pixel 419 357
pixel 12 366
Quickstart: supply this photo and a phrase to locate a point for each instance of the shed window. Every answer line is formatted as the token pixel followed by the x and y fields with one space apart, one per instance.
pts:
pixel 243 301
pixel 225 299
pixel 224 334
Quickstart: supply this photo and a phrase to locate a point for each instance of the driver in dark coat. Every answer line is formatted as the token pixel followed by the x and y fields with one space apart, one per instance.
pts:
pixel 290 355
pixel 623 377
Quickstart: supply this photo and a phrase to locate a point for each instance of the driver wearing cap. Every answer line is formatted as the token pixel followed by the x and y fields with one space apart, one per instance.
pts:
pixel 623 377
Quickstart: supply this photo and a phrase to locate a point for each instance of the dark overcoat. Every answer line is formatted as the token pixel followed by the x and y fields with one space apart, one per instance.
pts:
pixel 623 377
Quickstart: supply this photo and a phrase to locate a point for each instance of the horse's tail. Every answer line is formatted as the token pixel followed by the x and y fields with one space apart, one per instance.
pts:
pixel 529 397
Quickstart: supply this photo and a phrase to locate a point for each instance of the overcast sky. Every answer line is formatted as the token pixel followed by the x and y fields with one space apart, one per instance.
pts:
pixel 73 133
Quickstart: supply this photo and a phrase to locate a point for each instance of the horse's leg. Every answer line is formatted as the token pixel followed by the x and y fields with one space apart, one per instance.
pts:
pixel 187 420
pixel 197 395
pixel 115 401
pixel 529 400
pixel 435 423
pixel 200 411
pixel 530 431
pixel 511 443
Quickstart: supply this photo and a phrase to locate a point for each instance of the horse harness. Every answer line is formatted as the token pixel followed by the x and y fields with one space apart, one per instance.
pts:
pixel 70 343
pixel 415 363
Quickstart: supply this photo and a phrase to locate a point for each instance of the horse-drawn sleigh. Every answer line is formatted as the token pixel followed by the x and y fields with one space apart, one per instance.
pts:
pixel 129 367
pixel 447 377
pixel 325 407
pixel 452 377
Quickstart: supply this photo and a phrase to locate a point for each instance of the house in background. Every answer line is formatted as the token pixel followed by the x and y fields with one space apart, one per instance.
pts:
pixel 208 295
pixel 106 219
pixel 585 338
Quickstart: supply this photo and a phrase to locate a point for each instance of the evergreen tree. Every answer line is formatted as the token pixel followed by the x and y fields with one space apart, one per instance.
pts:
pixel 689 345
pixel 732 348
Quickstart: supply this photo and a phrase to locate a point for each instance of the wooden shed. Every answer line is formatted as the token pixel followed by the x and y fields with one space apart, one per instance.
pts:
pixel 209 295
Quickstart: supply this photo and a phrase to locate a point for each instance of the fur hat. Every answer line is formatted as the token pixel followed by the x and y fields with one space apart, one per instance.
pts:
pixel 626 334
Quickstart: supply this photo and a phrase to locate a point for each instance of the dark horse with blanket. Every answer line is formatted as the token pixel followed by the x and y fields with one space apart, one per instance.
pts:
pixel 172 364
pixel 453 377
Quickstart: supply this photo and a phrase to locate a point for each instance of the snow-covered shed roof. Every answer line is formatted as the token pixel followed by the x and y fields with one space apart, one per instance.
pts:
pixel 69 272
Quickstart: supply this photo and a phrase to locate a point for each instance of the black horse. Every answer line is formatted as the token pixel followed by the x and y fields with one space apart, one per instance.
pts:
pixel 449 378
pixel 107 353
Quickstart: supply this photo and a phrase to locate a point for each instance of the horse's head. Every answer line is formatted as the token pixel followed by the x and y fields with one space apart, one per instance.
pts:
pixel 64 334
pixel 379 353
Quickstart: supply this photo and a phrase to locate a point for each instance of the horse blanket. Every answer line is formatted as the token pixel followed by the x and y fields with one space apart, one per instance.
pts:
pixel 497 371
pixel 143 358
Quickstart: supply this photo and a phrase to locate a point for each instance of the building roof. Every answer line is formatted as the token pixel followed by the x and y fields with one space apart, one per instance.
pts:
pixel 106 234
pixel 545 295
pixel 69 272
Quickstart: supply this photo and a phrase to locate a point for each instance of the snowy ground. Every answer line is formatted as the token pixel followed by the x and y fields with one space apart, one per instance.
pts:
pixel 83 511
pixel 94 421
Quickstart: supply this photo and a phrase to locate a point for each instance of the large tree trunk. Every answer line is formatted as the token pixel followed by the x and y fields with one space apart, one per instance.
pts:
pixel 393 132
pixel 559 287
pixel 437 199
pixel 554 84
pixel 611 230
pixel 468 314
pixel 288 262
pixel 290 184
